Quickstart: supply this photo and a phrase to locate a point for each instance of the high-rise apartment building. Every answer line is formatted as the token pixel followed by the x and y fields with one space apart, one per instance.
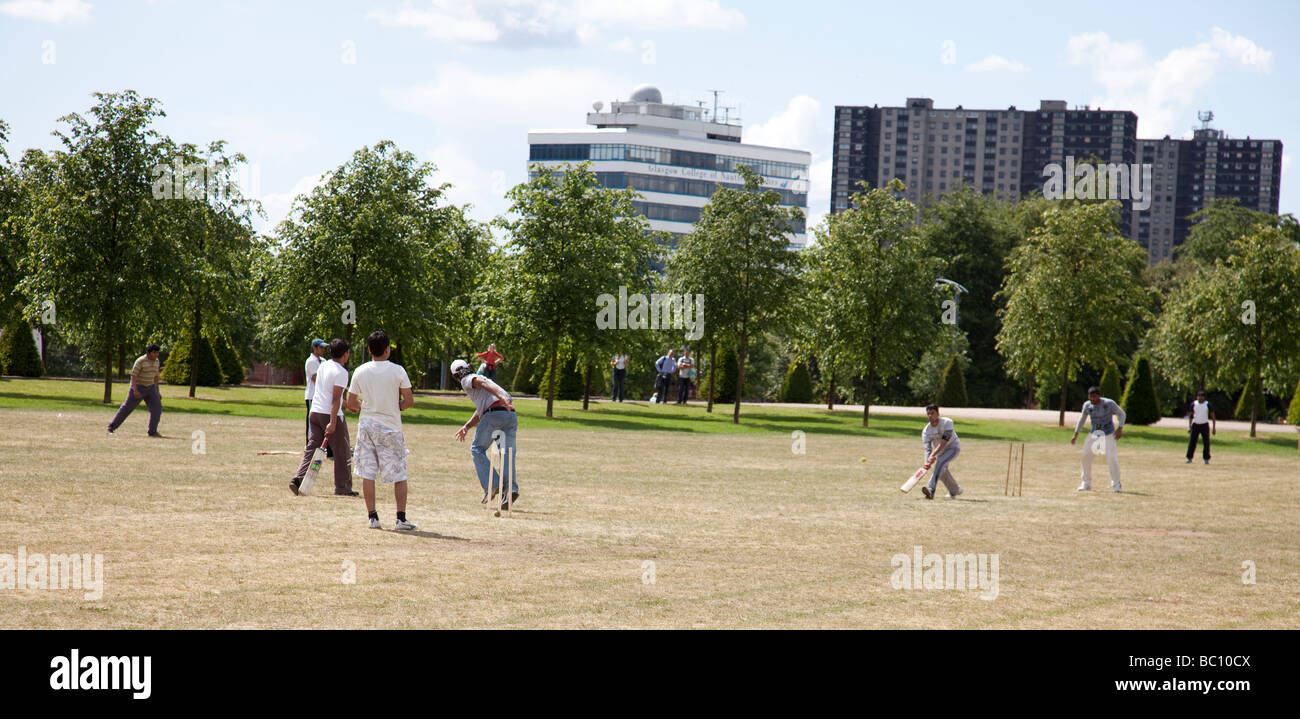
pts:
pixel 1004 153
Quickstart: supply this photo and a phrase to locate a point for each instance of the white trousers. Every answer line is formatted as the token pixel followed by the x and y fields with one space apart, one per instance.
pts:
pixel 1112 459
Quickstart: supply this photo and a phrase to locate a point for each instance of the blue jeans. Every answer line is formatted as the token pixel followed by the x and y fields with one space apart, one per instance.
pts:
pixel 490 423
pixel 941 463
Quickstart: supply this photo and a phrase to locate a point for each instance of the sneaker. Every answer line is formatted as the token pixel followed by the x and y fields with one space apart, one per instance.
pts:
pixel 293 487
pixel 1085 487
pixel 349 493
pixel 928 494
pixel 953 495
pixel 1189 460
pixel 1114 488
pixel 401 524
pixel 1206 461
pixel 514 499
pixel 156 435
pixel 374 523
pixel 110 431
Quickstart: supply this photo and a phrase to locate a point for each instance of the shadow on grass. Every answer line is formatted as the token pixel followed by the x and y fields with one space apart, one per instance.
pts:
pixel 424 535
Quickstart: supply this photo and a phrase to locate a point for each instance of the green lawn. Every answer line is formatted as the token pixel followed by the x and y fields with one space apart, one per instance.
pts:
pixel 453 409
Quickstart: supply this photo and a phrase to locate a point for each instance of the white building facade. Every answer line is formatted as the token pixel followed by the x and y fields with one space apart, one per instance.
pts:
pixel 674 156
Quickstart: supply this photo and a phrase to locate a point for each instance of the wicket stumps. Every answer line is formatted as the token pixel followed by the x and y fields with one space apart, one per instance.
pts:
pixel 499 456
pixel 1015 484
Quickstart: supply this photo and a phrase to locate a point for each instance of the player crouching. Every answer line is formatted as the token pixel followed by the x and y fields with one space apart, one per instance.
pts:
pixel 941 448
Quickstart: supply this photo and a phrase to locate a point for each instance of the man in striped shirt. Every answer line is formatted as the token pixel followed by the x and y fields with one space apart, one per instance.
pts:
pixel 1105 432
pixel 144 386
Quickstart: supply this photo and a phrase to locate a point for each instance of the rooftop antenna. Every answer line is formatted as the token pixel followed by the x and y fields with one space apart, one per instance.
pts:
pixel 1205 116
pixel 715 103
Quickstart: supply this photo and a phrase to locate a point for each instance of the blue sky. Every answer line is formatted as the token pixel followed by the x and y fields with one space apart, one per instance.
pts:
pixel 298 86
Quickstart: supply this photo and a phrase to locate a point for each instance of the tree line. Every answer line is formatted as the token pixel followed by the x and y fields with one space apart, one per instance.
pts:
pixel 970 299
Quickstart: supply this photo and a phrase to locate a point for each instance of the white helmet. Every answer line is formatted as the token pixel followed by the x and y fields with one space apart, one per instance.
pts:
pixel 457 366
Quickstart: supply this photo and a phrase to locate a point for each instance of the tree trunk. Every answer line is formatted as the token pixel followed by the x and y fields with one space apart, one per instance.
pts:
pixel 1060 420
pixel 1254 399
pixel 121 360
pixel 108 369
pixel 550 385
pixel 713 371
pixel 866 403
pixel 740 371
pixel 586 387
pixel 830 391
pixel 195 329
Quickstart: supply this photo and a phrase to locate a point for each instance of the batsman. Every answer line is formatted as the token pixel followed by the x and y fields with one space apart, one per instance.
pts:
pixel 941 447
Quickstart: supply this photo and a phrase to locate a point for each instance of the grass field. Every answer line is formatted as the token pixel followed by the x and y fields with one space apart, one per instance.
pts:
pixel 632 516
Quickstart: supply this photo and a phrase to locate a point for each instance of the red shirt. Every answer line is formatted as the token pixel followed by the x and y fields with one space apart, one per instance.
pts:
pixel 490 358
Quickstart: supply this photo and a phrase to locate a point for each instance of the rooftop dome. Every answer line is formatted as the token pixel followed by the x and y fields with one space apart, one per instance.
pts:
pixel 647 93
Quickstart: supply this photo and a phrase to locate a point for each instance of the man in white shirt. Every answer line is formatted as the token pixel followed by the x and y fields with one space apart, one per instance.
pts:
pixel 327 424
pixel 318 350
pixel 941 447
pixel 380 391
pixel 1099 411
pixel 1200 423
pixel 494 414
pixel 619 363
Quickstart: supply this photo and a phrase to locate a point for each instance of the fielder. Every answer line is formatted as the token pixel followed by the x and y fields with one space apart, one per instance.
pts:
pixel 941 447
pixel 1100 410
pixel 1200 423
pixel 493 413
pixel 144 386
pixel 379 392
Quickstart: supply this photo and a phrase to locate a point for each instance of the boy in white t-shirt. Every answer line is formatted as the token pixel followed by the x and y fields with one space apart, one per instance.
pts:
pixel 327 425
pixel 380 391
pixel 1200 423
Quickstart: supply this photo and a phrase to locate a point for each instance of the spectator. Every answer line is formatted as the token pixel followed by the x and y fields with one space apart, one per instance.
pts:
pixel 685 375
pixel 666 366
pixel 619 363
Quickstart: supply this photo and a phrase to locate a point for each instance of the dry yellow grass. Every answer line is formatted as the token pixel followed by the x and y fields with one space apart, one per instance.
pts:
pixel 741 533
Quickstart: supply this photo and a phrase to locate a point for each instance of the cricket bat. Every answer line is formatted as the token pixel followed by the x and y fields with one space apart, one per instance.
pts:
pixel 313 469
pixel 911 482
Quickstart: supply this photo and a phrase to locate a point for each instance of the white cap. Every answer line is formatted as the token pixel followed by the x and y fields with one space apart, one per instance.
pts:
pixel 458 365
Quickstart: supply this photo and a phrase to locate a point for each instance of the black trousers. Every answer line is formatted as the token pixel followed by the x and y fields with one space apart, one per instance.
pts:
pixel 619 376
pixel 1202 430
pixel 683 390
pixel 662 385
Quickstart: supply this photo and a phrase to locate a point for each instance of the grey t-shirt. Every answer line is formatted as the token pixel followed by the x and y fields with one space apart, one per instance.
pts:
pixel 1100 416
pixel 480 396
pixel 944 430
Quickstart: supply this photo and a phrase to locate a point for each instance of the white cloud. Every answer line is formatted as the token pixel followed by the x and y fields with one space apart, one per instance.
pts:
pixel 519 22
pixel 795 127
pixel 802 126
pixel 996 63
pixel 1161 92
pixel 1286 161
pixel 544 97
pixel 277 205
pixel 52 11
pixel 258 137
pixel 482 187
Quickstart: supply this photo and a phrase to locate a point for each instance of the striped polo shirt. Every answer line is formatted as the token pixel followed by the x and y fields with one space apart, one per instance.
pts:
pixel 145 371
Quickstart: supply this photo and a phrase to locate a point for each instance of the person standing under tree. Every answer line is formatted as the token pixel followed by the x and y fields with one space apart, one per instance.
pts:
pixel 144 386
pixel 685 374
pixel 1200 423
pixel 666 366
pixel 619 363
pixel 1100 410
pixel 379 392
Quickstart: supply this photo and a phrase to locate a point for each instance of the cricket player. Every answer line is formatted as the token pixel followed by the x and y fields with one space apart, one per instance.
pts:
pixel 379 392
pixel 1200 423
pixel 144 386
pixel 328 425
pixel 318 350
pixel 1100 411
pixel 493 412
pixel 941 447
